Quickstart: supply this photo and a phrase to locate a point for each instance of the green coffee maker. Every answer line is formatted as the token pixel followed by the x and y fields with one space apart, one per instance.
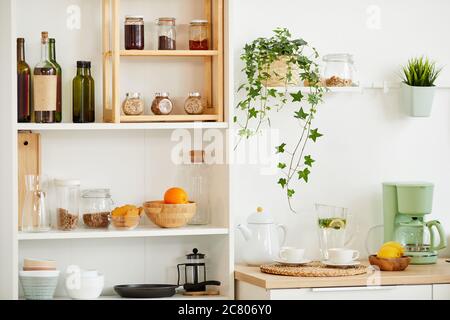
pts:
pixel 405 206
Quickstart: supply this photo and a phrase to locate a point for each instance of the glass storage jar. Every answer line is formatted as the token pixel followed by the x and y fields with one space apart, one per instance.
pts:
pixel 167 34
pixel 193 104
pixel 96 206
pixel 162 105
pixel 339 70
pixel 134 33
pixel 67 204
pixel 35 205
pixel 193 176
pixel 133 104
pixel 198 35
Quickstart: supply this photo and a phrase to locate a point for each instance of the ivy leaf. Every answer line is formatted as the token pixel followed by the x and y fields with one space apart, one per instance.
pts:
pixel 280 148
pixel 304 174
pixel 301 114
pixel 315 134
pixel 282 166
pixel 282 182
pixel 252 113
pixel 235 118
pixel 272 93
pixel 297 97
pixel 309 161
pixel 290 193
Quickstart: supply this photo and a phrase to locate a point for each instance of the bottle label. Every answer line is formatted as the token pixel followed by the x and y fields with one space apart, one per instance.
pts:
pixel 45 92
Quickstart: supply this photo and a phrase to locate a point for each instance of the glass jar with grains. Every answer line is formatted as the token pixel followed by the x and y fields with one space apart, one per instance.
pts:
pixel 96 206
pixel 193 104
pixel 162 105
pixel 339 70
pixel 133 104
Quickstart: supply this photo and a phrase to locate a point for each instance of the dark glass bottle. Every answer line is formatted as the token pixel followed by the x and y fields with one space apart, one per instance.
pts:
pixel 52 55
pixel 83 94
pixel 45 83
pixel 23 84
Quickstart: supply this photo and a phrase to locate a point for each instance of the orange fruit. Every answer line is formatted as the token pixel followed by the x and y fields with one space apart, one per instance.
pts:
pixel 175 196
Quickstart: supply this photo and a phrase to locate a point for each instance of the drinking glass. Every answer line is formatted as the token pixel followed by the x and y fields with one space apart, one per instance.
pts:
pixel 333 228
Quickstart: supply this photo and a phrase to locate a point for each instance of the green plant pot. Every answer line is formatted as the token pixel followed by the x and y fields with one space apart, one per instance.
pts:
pixel 417 101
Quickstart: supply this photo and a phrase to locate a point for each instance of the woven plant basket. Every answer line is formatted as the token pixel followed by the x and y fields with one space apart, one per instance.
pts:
pixel 170 215
pixel 278 70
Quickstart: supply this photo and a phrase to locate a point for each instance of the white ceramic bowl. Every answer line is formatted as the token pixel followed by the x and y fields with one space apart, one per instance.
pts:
pixel 91 287
pixel 39 285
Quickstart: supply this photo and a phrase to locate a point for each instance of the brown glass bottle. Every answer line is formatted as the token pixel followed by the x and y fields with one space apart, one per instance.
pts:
pixel 52 58
pixel 45 86
pixel 23 84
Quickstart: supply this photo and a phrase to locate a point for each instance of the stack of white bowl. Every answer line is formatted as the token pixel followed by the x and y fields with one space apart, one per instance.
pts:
pixel 83 284
pixel 39 279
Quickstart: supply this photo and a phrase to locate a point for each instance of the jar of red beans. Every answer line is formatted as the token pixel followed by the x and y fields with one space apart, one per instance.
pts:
pixel 198 35
pixel 134 33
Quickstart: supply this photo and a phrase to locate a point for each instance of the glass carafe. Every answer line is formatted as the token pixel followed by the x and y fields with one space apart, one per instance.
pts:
pixel 333 228
pixel 35 214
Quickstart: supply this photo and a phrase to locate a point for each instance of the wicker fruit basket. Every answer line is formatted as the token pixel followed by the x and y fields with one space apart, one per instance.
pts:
pixel 170 215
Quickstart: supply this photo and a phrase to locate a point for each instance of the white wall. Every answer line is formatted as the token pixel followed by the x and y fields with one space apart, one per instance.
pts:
pixel 368 140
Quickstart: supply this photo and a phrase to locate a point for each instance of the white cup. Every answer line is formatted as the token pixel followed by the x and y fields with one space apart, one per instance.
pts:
pixel 342 255
pixel 291 254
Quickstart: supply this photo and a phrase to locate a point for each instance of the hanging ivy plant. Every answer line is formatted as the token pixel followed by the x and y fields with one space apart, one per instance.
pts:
pixel 260 100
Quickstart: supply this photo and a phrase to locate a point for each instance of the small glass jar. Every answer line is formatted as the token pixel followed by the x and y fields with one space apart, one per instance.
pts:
pixel 339 70
pixel 193 104
pixel 167 34
pixel 198 35
pixel 162 105
pixel 133 104
pixel 67 204
pixel 134 33
pixel 96 206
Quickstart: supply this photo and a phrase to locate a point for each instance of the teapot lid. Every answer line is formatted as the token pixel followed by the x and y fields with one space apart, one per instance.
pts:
pixel 260 217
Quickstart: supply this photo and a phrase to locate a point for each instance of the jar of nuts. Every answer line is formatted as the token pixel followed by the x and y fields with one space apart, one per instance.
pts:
pixel 67 204
pixel 339 70
pixel 96 206
pixel 193 104
pixel 162 105
pixel 133 104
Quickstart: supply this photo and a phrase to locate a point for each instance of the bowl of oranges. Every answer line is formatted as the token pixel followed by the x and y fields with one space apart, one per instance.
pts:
pixel 174 211
pixel 390 257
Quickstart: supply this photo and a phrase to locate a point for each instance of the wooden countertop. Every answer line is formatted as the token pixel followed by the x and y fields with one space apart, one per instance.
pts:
pixel 414 275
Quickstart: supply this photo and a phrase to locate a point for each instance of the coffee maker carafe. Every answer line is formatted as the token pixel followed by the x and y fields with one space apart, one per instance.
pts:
pixel 405 206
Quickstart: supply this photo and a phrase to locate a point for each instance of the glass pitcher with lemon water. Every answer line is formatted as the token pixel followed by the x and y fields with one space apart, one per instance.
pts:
pixel 333 228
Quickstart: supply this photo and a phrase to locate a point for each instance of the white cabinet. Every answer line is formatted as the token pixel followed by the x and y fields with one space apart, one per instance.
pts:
pixel 410 292
pixel 441 292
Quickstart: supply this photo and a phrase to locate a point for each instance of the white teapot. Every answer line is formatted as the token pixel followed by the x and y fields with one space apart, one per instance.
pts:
pixel 263 238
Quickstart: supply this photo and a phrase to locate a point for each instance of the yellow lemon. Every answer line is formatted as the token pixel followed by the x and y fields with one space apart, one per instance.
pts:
pixel 389 252
pixel 395 245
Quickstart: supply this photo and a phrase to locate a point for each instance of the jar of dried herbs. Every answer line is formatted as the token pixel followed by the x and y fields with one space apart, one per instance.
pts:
pixel 162 105
pixel 193 104
pixel 133 104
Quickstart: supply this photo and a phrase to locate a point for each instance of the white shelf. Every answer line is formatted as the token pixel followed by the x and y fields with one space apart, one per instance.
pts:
pixel 119 126
pixel 329 90
pixel 140 232
pixel 175 297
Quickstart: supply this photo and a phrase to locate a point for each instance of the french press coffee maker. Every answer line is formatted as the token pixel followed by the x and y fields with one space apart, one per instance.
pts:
pixel 194 273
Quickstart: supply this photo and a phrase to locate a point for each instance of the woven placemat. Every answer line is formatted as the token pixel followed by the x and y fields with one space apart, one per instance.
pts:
pixel 313 269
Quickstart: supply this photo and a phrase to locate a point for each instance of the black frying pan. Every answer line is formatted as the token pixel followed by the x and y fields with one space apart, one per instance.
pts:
pixel 146 291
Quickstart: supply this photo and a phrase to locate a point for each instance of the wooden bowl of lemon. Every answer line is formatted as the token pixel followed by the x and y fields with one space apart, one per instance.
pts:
pixel 390 257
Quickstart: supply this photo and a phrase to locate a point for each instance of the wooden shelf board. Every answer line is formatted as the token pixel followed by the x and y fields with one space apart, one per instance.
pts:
pixel 140 232
pixel 166 53
pixel 170 118
pixel 120 126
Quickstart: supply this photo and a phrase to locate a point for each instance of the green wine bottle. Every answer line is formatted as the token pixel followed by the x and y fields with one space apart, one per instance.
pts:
pixel 23 84
pixel 78 93
pixel 52 58
pixel 89 94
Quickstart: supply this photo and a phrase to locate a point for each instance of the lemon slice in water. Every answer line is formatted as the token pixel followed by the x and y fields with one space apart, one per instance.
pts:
pixel 337 224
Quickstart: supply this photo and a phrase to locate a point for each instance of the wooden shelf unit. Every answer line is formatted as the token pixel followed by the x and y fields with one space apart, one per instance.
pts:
pixel 213 60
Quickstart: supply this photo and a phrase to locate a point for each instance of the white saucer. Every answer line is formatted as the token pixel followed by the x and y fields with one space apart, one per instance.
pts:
pixel 292 263
pixel 347 264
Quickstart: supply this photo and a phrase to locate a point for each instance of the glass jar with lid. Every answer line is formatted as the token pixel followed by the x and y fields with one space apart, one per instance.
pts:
pixel 198 35
pixel 133 104
pixel 96 206
pixel 339 70
pixel 67 204
pixel 134 33
pixel 167 34
pixel 194 104
pixel 162 105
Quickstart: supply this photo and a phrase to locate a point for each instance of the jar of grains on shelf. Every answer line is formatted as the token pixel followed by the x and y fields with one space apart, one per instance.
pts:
pixel 133 104
pixel 96 206
pixel 339 70
pixel 67 204
pixel 194 104
pixel 162 105
pixel 167 35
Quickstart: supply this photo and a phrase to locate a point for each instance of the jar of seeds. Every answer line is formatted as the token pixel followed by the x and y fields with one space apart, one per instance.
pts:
pixel 193 104
pixel 67 204
pixel 133 104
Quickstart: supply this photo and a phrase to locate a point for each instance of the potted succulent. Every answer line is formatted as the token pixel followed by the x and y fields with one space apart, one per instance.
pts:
pixel 418 86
